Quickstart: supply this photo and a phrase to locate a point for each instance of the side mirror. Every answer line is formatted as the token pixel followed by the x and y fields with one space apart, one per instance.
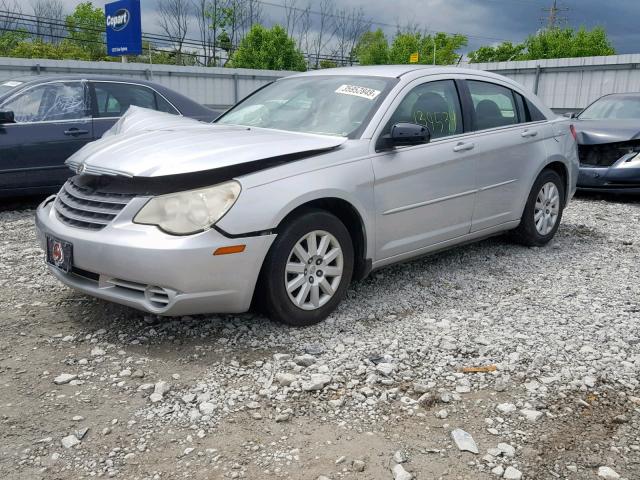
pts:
pixel 571 114
pixel 7 117
pixel 405 134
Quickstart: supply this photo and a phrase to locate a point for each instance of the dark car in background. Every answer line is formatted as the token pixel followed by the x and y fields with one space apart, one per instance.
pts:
pixel 608 134
pixel 44 120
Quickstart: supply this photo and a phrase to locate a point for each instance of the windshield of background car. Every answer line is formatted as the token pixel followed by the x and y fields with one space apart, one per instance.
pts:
pixel 331 105
pixel 613 108
pixel 7 85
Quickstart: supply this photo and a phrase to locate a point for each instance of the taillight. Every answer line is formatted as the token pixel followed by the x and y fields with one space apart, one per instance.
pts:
pixel 573 132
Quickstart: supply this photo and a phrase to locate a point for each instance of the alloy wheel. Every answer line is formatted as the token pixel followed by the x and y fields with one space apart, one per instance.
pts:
pixel 314 270
pixel 547 208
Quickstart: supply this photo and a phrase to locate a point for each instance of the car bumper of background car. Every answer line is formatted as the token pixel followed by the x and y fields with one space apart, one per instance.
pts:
pixel 609 179
pixel 144 268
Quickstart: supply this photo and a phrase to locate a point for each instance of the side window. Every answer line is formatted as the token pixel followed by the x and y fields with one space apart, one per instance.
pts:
pixel 435 105
pixel 534 112
pixel 494 105
pixel 113 99
pixel 164 106
pixel 51 102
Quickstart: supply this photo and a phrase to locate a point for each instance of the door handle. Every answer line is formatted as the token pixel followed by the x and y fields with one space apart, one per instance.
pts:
pixel 529 133
pixel 463 147
pixel 74 132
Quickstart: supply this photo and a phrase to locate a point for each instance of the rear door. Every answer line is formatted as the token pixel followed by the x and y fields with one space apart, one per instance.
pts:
pixel 112 99
pixel 52 123
pixel 509 147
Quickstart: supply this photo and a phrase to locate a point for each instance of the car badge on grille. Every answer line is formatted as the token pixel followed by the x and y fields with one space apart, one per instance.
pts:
pixel 80 168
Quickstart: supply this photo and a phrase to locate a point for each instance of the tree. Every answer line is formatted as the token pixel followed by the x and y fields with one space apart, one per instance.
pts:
pixel 549 43
pixel 373 48
pixel 324 32
pixel 443 46
pixel 269 49
pixel 9 22
pixel 349 25
pixel 10 40
pixel 207 43
pixel 86 26
pixel 173 18
pixel 504 52
pixel 568 43
pixel 49 19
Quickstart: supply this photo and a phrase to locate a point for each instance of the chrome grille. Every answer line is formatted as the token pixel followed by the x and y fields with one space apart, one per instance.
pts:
pixel 84 208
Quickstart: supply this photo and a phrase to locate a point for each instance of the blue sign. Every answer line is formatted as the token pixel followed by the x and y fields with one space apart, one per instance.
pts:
pixel 124 27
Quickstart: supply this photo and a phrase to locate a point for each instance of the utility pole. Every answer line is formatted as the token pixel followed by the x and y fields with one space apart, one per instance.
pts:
pixel 554 19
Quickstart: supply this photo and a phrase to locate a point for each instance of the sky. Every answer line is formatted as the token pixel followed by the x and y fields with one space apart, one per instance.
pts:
pixel 484 21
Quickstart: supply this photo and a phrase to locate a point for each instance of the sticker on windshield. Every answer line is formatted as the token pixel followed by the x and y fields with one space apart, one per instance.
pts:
pixel 11 84
pixel 364 92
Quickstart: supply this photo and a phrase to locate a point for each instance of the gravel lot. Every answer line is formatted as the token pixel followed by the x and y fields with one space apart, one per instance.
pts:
pixel 94 389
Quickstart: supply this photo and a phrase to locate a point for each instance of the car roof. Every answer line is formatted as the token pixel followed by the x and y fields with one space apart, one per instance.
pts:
pixel 34 79
pixel 397 71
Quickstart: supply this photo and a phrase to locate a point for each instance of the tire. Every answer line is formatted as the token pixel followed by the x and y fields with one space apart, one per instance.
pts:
pixel 284 269
pixel 543 211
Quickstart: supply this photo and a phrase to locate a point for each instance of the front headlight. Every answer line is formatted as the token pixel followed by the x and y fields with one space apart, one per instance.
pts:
pixel 189 212
pixel 633 162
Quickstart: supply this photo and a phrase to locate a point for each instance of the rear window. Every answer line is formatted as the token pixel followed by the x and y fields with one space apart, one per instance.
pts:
pixel 494 105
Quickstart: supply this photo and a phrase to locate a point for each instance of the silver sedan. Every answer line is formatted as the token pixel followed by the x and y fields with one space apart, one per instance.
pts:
pixel 306 185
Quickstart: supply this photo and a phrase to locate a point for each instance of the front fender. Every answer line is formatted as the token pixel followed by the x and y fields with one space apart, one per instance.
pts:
pixel 262 207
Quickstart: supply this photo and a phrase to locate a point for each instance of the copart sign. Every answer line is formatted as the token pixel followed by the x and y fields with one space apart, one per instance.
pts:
pixel 124 27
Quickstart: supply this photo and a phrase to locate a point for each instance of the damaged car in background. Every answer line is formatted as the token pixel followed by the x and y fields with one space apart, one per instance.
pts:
pixel 608 133
pixel 309 183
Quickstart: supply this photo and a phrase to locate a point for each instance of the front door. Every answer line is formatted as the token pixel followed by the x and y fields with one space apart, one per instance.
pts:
pixel 424 195
pixel 52 123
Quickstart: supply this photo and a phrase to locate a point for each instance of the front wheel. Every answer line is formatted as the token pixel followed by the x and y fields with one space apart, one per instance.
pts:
pixel 543 212
pixel 308 269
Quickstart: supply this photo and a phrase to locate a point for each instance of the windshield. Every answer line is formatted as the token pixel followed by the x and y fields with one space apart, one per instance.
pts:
pixel 331 105
pixel 613 108
pixel 8 85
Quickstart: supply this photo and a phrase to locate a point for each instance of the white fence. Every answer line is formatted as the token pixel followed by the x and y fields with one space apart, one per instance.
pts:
pixel 211 86
pixel 565 84
pixel 569 84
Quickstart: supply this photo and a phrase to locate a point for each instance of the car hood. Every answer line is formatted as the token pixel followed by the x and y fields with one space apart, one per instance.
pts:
pixel 594 132
pixel 146 143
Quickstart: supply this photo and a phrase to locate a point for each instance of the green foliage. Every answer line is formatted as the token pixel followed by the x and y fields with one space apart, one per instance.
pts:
pixel 10 40
pixel 328 64
pixel 372 48
pixel 224 42
pixel 446 48
pixel 503 52
pixel 568 43
pixel 269 49
pixel 549 43
pixel 86 26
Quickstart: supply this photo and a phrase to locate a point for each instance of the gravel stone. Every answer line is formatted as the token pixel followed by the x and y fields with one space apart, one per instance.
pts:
pixel 399 473
pixel 608 473
pixel 512 473
pixel 64 378
pixel 464 441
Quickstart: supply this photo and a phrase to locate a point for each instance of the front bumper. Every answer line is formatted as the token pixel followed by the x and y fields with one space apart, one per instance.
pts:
pixel 609 179
pixel 144 268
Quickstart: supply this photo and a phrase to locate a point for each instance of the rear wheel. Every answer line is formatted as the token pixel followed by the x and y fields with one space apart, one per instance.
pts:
pixel 543 212
pixel 308 269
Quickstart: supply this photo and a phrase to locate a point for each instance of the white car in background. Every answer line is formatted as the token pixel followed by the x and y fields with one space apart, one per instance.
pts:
pixel 307 184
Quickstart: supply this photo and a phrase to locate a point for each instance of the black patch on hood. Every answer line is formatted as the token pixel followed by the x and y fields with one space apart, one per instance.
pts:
pixel 185 181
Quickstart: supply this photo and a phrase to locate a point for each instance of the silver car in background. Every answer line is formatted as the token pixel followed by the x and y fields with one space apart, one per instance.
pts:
pixel 307 184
